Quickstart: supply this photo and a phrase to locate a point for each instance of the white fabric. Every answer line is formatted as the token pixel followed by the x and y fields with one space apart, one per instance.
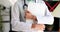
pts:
pixel 22 26
pixel 42 13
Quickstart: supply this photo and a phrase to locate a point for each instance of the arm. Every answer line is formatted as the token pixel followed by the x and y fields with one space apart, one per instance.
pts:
pixel 17 25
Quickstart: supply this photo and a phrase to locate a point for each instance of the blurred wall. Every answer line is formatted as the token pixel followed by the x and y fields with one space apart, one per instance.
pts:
pixel 56 12
pixel 5 13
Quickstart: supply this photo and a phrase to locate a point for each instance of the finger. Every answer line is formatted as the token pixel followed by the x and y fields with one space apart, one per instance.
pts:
pixel 27 12
pixel 40 27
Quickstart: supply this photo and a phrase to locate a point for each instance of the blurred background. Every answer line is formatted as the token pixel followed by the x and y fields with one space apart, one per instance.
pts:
pixel 5 14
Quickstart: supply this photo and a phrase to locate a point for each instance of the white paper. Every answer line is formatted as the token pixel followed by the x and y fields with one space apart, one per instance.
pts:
pixel 37 10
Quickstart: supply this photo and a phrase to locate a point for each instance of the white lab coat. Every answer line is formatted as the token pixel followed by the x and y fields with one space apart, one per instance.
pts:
pixel 45 16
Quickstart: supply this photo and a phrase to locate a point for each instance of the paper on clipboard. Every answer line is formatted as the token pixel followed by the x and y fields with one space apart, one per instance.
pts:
pixel 35 7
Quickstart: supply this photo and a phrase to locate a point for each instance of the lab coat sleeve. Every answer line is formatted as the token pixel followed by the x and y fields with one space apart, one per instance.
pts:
pixel 47 19
pixel 16 24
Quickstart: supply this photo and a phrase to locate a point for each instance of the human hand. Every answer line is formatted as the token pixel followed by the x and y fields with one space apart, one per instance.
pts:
pixel 38 26
pixel 34 20
pixel 28 15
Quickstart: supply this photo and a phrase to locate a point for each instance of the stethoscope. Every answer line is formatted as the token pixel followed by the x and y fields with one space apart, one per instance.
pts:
pixel 25 5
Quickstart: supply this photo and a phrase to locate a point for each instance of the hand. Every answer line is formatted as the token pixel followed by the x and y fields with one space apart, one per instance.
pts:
pixel 38 26
pixel 34 20
pixel 28 15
